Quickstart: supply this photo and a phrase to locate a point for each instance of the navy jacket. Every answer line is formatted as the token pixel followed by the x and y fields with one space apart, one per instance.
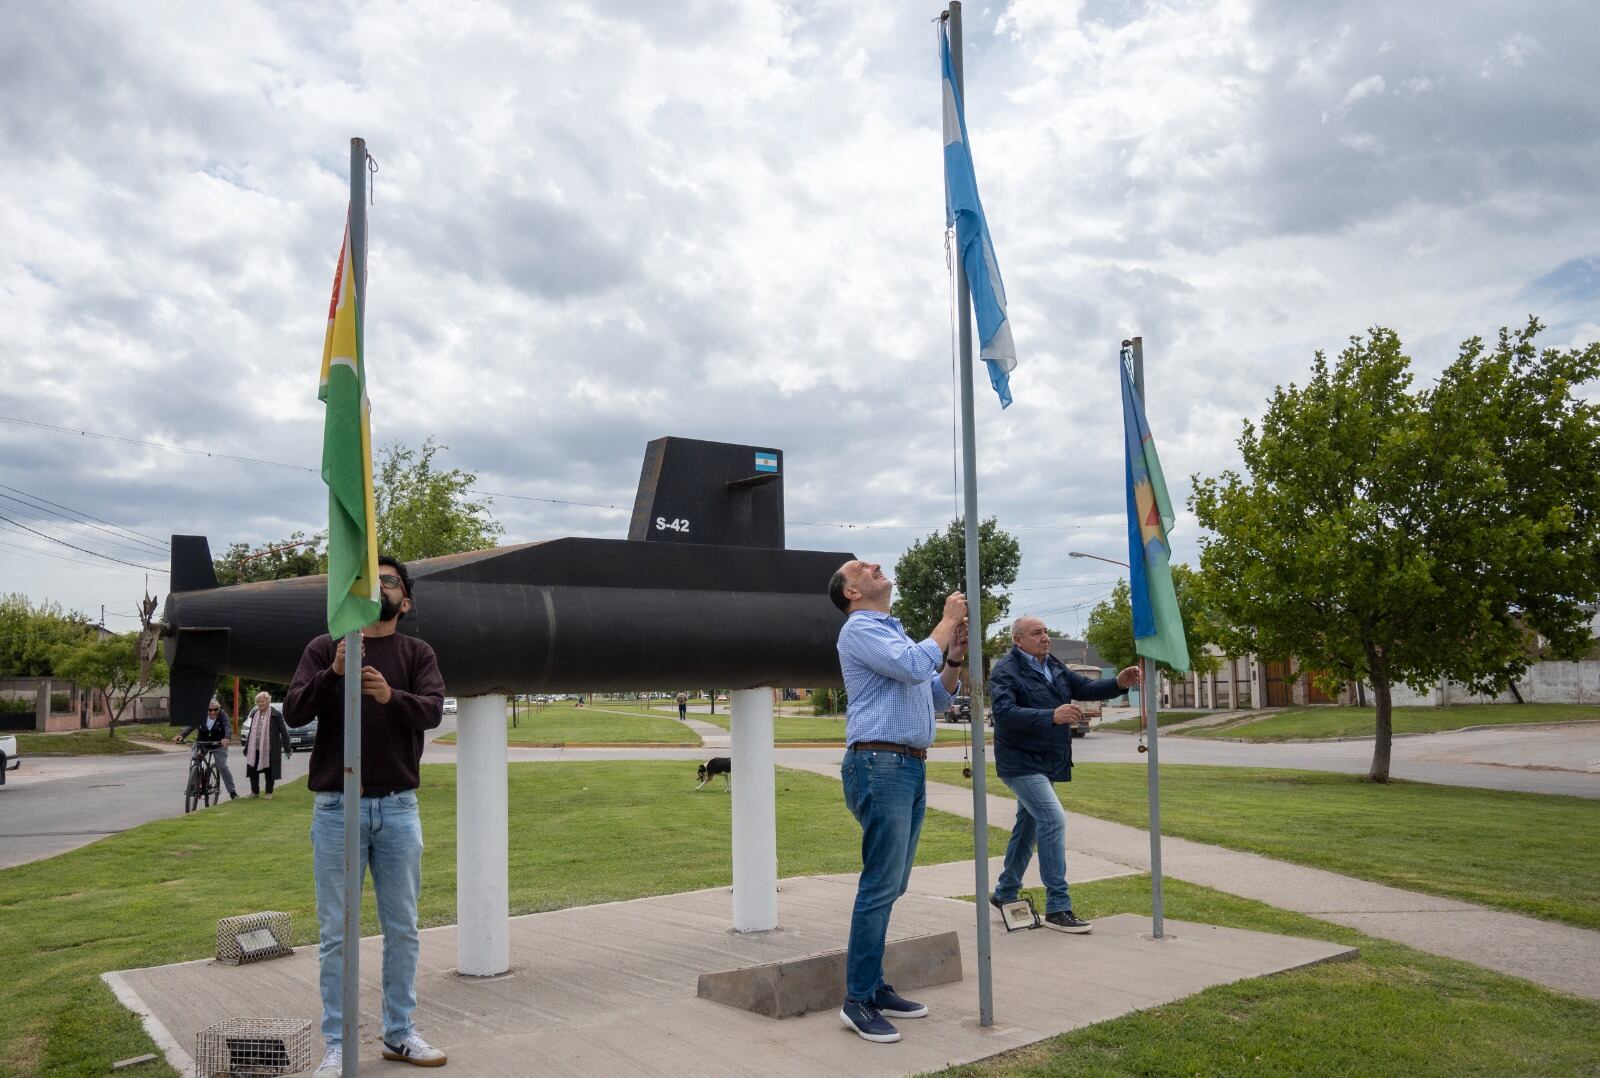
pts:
pixel 1027 740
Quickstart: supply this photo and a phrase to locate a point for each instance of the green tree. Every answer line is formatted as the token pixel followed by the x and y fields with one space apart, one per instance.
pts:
pixel 1397 536
pixel 1110 626
pixel 424 511
pixel 937 565
pixel 111 666
pixel 30 635
pixel 282 559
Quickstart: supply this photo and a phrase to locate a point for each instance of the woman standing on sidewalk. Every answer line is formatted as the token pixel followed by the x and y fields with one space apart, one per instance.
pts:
pixel 264 745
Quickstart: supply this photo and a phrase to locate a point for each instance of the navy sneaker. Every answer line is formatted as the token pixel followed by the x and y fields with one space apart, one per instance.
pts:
pixel 893 1004
pixel 868 1024
pixel 1064 921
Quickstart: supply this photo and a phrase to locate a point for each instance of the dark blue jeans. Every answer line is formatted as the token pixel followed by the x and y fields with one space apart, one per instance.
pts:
pixel 1042 822
pixel 887 794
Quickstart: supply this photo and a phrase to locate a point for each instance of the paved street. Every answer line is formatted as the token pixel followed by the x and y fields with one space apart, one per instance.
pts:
pixel 54 804
pixel 57 804
pixel 1546 760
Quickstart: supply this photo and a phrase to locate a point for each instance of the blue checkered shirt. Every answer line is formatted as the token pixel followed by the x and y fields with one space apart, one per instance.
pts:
pixel 892 681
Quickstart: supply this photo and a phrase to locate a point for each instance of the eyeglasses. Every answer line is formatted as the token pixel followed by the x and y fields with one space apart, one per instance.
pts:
pixel 389 580
pixel 213 710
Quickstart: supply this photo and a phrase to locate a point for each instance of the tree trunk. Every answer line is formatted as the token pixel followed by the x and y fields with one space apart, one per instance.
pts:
pixel 1385 729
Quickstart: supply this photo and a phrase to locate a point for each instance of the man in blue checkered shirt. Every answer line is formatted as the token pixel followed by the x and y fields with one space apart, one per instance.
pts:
pixel 894 685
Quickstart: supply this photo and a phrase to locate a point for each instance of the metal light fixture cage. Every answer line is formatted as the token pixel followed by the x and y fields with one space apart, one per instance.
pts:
pixel 253 937
pixel 251 1047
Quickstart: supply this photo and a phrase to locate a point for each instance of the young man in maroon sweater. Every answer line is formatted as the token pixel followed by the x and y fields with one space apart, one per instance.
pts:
pixel 402 697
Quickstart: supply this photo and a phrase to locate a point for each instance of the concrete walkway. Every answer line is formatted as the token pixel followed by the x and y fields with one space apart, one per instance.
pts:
pixel 611 989
pixel 1555 955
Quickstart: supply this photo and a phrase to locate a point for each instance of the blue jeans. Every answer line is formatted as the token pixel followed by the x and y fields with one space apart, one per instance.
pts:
pixel 391 846
pixel 886 793
pixel 219 759
pixel 1041 821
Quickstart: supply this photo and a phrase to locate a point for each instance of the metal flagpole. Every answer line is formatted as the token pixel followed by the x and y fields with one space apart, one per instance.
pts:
pixel 969 461
pixel 1150 687
pixel 352 675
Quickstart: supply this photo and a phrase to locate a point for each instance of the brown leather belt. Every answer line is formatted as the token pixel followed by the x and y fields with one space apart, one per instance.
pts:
pixel 890 746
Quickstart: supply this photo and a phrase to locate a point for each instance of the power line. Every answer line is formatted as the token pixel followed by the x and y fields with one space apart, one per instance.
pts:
pixel 846 525
pixel 31 552
pixel 156 445
pixel 29 502
pixel 86 516
pixel 74 546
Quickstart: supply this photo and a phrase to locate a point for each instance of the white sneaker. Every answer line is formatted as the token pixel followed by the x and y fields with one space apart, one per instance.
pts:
pixel 332 1063
pixel 414 1050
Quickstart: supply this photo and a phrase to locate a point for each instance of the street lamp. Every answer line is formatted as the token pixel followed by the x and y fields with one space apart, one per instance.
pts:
pixel 1096 557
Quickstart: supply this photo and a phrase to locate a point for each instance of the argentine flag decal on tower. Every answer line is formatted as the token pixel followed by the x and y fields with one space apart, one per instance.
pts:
pixel 766 462
pixel 963 210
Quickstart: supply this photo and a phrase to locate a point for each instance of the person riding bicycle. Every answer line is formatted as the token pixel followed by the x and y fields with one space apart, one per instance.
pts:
pixel 215 728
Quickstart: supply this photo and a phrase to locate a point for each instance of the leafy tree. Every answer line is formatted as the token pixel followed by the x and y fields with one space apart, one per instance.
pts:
pixel 30 635
pixel 423 511
pixel 110 665
pixel 937 565
pixel 1397 536
pixel 295 556
pixel 1110 627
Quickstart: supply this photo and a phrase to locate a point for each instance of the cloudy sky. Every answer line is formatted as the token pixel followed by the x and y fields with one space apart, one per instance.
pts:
pixel 596 224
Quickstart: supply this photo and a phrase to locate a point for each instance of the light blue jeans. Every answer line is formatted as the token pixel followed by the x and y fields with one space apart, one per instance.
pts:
pixel 1041 821
pixel 391 846
pixel 887 794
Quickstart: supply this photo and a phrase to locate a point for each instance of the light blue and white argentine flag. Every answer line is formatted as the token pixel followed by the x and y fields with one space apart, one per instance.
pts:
pixel 962 209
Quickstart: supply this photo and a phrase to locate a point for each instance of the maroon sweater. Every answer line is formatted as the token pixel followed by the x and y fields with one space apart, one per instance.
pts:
pixel 391 734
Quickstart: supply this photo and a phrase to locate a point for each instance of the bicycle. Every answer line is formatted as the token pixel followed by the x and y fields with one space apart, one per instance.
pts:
pixel 205 784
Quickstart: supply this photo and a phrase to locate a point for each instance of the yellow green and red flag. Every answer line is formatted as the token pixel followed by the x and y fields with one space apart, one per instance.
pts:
pixel 353 596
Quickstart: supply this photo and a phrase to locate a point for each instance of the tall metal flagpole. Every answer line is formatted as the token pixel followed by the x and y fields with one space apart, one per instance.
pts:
pixel 969 482
pixel 1150 688
pixel 352 674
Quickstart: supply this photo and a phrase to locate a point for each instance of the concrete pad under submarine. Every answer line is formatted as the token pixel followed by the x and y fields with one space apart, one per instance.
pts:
pixel 716 601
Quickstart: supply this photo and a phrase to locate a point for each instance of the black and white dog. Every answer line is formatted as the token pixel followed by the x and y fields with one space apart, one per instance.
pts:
pixel 717 765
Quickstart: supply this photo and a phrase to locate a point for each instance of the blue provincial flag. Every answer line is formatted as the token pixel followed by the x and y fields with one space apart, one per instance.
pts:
pixel 963 210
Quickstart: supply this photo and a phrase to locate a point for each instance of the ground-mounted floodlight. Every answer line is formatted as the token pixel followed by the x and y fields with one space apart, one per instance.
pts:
pixel 1019 914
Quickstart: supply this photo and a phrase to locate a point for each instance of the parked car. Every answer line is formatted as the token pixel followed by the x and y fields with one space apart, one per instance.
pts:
pixel 303 737
pixel 9 759
pixel 960 709
pixel 449 705
pixel 1090 708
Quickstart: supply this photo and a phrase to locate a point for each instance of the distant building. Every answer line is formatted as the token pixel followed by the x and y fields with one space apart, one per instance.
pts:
pixel 1075 652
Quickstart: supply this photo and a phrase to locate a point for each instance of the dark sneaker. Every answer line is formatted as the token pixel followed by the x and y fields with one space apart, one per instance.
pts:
pixel 868 1023
pixel 999 903
pixel 895 1005
pixel 1064 921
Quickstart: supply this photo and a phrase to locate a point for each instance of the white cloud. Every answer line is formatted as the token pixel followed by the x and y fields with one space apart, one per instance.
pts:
pixel 1367 87
pixel 595 225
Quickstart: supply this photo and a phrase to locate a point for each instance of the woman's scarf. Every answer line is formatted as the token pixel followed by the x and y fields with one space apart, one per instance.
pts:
pixel 258 749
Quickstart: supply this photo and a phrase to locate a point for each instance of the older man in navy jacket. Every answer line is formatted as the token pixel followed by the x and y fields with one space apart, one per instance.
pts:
pixel 1032 692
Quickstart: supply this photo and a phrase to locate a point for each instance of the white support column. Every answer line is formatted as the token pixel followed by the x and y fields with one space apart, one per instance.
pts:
pixel 483 910
pixel 755 812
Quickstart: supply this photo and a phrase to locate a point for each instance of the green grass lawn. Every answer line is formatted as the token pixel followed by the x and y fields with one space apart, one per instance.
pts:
pixel 1533 853
pixel 79 743
pixel 826 731
pixel 581 833
pixel 1330 721
pixel 1163 720
pixel 563 724
pixel 1394 1011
